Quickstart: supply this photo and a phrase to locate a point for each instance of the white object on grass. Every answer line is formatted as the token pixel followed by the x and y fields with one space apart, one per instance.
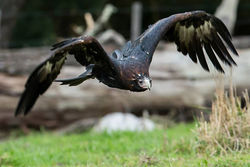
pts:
pixel 123 122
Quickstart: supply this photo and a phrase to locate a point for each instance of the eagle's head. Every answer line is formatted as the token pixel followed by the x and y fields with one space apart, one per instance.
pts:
pixel 141 83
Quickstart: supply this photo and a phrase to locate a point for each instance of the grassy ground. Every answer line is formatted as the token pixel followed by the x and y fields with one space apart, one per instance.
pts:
pixel 171 147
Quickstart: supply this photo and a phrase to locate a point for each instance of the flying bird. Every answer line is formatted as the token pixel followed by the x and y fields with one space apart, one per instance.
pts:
pixel 128 68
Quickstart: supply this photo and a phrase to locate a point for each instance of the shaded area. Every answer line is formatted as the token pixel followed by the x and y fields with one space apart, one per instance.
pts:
pixel 58 18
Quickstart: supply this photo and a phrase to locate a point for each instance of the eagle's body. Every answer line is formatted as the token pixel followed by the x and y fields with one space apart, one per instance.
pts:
pixel 128 68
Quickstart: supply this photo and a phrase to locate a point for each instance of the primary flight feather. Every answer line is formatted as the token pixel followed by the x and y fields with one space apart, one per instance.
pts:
pixel 128 68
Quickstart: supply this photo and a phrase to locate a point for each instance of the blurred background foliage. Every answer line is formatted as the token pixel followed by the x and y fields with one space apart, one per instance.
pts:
pixel 43 22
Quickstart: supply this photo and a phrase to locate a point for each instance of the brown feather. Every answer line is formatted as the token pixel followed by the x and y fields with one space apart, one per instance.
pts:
pixel 45 73
pixel 213 58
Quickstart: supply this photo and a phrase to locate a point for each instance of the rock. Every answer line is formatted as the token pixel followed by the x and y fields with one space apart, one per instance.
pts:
pixel 123 122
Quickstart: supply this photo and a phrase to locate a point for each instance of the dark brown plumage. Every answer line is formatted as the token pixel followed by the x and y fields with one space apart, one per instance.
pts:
pixel 128 68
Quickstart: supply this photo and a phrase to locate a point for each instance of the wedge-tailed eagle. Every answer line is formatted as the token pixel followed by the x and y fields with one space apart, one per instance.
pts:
pixel 128 68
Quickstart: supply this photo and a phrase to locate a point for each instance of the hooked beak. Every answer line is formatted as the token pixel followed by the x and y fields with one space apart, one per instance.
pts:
pixel 147 84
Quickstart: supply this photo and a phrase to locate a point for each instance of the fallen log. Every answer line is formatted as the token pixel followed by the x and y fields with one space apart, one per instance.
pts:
pixel 177 83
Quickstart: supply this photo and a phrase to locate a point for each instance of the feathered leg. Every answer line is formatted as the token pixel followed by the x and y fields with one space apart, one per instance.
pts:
pixel 78 80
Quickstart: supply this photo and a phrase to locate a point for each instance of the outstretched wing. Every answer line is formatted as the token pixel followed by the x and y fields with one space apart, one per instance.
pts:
pixel 193 31
pixel 86 50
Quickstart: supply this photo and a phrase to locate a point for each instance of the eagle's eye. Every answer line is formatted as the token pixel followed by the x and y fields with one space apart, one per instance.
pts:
pixel 117 54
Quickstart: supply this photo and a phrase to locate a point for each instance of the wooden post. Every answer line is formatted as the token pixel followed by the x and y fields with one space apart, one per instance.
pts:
pixel 136 20
pixel 227 12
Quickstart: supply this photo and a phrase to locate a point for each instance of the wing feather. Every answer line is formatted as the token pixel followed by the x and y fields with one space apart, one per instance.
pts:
pixel 191 46
pixel 224 33
pixel 213 58
pixel 38 82
pixel 191 32
pixel 191 52
pixel 86 50
pixel 201 55
pixel 220 54
pixel 222 47
pixel 198 29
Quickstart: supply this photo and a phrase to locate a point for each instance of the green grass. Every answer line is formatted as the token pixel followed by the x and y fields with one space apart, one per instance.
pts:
pixel 170 147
